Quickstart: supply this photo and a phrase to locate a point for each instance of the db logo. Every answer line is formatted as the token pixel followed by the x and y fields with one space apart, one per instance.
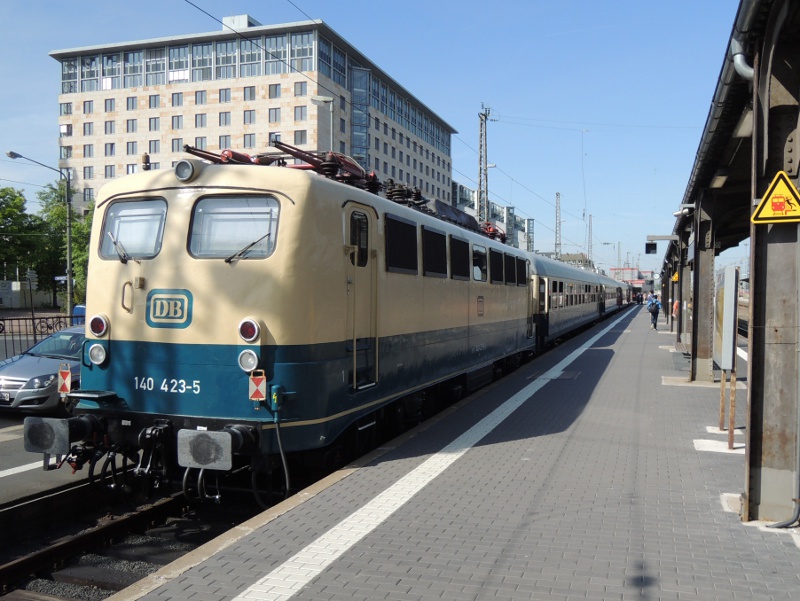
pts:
pixel 169 308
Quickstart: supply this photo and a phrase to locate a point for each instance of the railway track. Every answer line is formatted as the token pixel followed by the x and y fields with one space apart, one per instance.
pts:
pixel 89 555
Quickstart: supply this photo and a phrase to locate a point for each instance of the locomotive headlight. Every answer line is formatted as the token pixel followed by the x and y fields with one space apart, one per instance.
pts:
pixel 98 325
pixel 249 329
pixel 248 360
pixel 97 354
pixel 187 170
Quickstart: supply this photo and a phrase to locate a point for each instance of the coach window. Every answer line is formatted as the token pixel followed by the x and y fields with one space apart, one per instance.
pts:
pixel 234 227
pixel 359 237
pixel 480 269
pixel 495 266
pixel 434 253
pixel 133 229
pixel 401 245
pixel 459 258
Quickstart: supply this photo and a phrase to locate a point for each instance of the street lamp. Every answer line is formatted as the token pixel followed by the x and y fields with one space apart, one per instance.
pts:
pixel 320 101
pixel 15 155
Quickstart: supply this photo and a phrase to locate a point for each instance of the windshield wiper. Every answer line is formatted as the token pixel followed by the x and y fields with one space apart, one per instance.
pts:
pixel 241 254
pixel 121 252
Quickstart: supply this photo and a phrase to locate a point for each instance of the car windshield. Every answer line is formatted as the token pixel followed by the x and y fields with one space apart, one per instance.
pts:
pixel 61 345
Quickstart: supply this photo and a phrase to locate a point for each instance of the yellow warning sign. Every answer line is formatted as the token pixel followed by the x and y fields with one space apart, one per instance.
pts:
pixel 781 203
pixel 675 277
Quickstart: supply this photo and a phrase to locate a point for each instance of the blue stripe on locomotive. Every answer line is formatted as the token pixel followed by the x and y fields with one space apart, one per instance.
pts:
pixel 204 382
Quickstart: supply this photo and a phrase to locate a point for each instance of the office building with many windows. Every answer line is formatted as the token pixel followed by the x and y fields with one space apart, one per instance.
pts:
pixel 240 88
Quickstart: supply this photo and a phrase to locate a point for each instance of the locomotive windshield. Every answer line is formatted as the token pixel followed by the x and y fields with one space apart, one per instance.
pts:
pixel 133 229
pixel 234 227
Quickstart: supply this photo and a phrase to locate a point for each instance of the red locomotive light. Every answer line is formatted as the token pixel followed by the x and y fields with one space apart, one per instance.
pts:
pixel 98 325
pixel 249 330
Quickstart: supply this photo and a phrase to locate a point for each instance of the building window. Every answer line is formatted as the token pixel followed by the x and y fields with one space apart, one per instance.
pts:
pixel 249 117
pixel 250 93
pixel 177 122
pixel 177 144
pixel 177 99
pixel 300 136
pixel 249 141
pixel 88 195
pixel 110 171
pixel 110 149
pixel 65 108
pixel 110 105
pixel 155 101
pixel 274 136
pixel 88 128
pixel 342 126
pixel 200 120
pixel 300 88
pixel 250 58
pixel 224 142
pixel 130 126
pixel 226 59
pixel 65 152
pixel 300 113
pixel 202 59
pixel 88 151
pixel 88 107
pixel 109 127
pixel 154 146
pixel 274 90
pixel 131 148
pixel 65 130
pixel 225 118
pixel 88 173
pixel 178 65
pixel 302 49
pixel 155 123
pixel 130 103
pixel 200 97
pixel 225 95
pixel 275 55
pixel 200 142
pixel 130 168
pixel 274 115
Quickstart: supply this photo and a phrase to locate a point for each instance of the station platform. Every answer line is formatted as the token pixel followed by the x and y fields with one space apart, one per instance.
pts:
pixel 592 472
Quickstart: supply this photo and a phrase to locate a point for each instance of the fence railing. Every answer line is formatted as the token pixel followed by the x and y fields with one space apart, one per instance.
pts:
pixel 18 334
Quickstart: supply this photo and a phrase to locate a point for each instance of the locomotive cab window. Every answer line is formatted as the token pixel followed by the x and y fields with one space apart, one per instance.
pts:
pixel 434 253
pixel 234 227
pixel 401 245
pixel 133 229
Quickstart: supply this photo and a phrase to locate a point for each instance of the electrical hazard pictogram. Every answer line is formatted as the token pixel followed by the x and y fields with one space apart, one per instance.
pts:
pixel 781 203
pixel 64 379
pixel 258 386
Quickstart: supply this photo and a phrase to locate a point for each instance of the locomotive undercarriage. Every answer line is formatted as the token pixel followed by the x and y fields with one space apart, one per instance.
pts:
pixel 154 454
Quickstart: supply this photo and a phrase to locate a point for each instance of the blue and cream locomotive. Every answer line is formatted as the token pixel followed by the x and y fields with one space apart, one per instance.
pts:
pixel 239 313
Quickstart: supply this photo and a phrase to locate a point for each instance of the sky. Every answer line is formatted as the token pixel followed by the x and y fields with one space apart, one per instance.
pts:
pixel 601 102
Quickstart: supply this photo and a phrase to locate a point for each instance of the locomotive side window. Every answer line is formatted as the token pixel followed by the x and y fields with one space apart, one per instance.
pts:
pixel 234 227
pixel 401 245
pixel 459 258
pixel 434 253
pixel 359 237
pixel 522 272
pixel 511 269
pixel 480 269
pixel 496 266
pixel 133 229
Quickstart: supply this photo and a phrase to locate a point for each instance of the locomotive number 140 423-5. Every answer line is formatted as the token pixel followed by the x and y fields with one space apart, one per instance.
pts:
pixel 171 385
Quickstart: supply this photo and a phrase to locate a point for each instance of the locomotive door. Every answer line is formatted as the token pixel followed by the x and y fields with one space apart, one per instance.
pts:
pixel 361 269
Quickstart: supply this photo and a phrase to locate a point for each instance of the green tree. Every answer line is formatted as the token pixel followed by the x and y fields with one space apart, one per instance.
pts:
pixel 17 234
pixel 81 231
pixel 52 253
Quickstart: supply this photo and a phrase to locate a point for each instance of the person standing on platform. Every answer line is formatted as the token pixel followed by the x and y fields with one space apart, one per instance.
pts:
pixel 653 307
